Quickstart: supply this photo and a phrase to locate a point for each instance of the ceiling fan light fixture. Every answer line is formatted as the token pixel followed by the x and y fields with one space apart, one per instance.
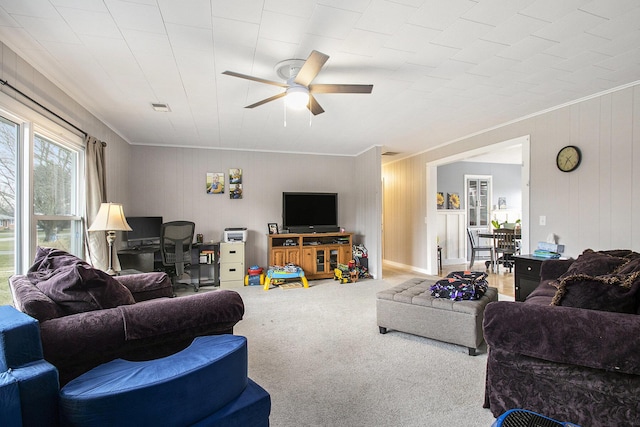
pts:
pixel 297 97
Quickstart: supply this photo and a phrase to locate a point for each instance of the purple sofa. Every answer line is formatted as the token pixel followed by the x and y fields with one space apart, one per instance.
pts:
pixel 88 317
pixel 571 350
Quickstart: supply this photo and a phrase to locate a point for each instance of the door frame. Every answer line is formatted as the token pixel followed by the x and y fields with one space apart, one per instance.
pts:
pixel 432 189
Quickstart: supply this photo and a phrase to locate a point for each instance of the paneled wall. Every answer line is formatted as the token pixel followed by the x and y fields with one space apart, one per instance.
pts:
pixel 171 182
pixel 452 236
pixel 597 206
pixel 367 186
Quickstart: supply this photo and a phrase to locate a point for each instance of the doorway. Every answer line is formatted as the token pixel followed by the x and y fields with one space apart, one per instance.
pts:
pixel 521 144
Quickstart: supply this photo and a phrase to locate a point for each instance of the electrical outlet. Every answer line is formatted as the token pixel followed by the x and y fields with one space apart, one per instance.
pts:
pixel 543 220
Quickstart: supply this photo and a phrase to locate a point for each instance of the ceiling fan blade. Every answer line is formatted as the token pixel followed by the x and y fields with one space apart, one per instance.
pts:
pixel 332 88
pixel 255 79
pixel 311 68
pixel 314 107
pixel 264 101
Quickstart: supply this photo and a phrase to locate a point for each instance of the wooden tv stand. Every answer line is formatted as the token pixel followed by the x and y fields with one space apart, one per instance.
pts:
pixel 317 253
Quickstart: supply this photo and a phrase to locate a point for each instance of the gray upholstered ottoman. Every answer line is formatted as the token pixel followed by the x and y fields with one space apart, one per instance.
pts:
pixel 409 307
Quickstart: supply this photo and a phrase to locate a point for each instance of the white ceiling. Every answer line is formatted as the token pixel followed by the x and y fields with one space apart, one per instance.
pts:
pixel 441 69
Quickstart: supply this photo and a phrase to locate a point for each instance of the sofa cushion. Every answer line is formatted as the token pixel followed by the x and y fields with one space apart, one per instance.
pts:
pixel 616 293
pixel 74 285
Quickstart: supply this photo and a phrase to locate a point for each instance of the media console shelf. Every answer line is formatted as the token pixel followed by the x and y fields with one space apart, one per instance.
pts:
pixel 317 253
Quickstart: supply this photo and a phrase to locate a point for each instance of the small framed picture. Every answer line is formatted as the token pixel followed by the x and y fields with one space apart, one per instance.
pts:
pixel 502 203
pixel 273 228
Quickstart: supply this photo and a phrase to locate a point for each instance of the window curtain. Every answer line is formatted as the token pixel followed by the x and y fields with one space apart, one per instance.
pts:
pixel 96 242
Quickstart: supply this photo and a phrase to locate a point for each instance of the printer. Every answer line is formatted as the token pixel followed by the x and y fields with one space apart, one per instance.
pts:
pixel 235 234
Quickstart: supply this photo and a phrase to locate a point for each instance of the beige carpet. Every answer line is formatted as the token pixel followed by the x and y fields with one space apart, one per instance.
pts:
pixel 320 355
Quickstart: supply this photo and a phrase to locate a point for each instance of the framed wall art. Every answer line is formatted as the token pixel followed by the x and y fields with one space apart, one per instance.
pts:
pixel 215 182
pixel 454 201
pixel 235 183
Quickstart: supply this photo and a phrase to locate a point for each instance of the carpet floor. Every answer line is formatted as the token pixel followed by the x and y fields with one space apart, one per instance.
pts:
pixel 319 354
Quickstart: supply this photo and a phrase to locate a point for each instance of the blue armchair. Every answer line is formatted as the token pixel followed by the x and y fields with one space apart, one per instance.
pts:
pixel 205 384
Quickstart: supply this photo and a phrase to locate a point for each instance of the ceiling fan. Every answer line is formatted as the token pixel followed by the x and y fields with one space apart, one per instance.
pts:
pixel 299 74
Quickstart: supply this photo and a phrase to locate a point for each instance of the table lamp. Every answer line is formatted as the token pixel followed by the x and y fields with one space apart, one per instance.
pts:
pixel 110 218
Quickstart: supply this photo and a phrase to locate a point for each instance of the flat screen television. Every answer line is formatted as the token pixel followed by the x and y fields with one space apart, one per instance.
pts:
pixel 310 212
pixel 145 230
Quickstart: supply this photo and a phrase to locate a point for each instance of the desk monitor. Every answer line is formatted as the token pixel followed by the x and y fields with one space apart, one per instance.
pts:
pixel 145 230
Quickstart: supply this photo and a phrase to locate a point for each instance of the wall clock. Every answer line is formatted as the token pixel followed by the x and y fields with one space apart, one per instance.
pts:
pixel 568 158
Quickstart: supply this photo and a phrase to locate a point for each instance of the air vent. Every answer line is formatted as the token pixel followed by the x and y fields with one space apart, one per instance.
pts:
pixel 390 153
pixel 163 108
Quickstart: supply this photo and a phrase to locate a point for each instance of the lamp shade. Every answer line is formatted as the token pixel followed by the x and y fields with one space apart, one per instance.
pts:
pixel 110 218
pixel 297 97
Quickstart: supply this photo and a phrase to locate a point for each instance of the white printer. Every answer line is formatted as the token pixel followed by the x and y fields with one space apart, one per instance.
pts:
pixel 235 234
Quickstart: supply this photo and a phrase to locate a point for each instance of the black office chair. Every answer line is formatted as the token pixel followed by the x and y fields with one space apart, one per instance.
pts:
pixel 506 247
pixel 176 240
pixel 479 249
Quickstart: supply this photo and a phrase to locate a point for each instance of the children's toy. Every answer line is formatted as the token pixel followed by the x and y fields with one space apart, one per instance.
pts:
pixel 279 273
pixel 341 273
pixel 255 276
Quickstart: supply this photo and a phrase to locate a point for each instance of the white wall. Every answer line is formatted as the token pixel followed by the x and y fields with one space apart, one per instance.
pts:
pixel 597 206
pixel 171 182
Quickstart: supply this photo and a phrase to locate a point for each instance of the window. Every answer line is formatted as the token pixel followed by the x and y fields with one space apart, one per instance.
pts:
pixel 8 182
pixel 41 189
pixel 55 193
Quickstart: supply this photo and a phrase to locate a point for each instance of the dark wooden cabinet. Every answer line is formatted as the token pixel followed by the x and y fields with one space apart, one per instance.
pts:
pixel 527 275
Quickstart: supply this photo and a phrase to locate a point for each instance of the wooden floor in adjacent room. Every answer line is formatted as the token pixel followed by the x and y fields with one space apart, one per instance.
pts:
pixel 504 280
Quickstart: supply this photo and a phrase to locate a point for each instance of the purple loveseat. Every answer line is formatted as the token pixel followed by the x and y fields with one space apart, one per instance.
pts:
pixel 88 317
pixel 571 351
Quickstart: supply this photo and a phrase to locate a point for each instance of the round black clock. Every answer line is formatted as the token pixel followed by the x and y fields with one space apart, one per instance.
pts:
pixel 568 158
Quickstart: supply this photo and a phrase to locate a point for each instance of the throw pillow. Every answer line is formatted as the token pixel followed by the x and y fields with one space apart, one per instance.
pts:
pixel 593 263
pixel 73 284
pixel 631 266
pixel 615 293
pixel 80 288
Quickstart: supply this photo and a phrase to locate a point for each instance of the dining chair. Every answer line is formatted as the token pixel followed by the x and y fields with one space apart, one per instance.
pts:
pixel 476 248
pixel 505 246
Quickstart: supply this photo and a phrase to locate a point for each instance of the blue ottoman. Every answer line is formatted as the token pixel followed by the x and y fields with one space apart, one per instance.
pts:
pixel 198 385
pixel 28 384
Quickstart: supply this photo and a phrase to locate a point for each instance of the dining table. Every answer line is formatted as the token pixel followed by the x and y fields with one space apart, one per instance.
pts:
pixel 489 235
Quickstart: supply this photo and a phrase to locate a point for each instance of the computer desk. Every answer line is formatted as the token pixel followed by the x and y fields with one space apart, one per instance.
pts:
pixel 144 258
pixel 147 258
